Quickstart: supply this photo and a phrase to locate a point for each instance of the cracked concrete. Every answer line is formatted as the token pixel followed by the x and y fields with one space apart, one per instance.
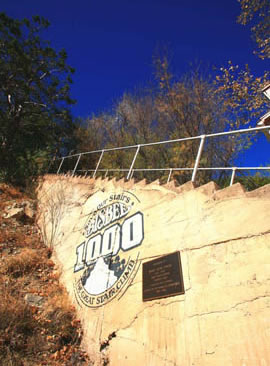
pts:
pixel 227 241
pixel 231 308
pixel 223 317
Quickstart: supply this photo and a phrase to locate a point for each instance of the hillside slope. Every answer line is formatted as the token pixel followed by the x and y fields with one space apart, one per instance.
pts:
pixel 38 324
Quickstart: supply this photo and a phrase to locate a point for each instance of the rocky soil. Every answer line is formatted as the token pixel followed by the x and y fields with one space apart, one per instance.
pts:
pixel 38 325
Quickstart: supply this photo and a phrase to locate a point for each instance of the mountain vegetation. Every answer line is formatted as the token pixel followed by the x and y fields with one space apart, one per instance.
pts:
pixel 36 123
pixel 257 14
pixel 37 322
pixel 35 118
pixel 176 107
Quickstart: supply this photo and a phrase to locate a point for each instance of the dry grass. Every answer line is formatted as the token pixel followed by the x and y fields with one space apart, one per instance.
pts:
pixel 27 260
pixel 32 335
pixel 19 333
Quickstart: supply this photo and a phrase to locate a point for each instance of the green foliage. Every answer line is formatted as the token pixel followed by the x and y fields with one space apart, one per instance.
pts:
pixel 35 119
pixel 250 182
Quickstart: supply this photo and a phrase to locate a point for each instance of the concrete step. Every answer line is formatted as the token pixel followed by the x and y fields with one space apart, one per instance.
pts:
pixel 188 186
pixel 208 189
pixel 155 183
pixel 171 186
pixel 129 183
pixel 121 182
pixel 141 183
pixel 234 191
pixel 260 192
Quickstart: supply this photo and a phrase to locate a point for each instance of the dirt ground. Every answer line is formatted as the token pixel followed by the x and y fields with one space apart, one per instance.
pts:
pixel 38 324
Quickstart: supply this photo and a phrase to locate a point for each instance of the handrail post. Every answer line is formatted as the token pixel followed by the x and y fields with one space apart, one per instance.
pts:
pixel 169 176
pixel 197 162
pixel 133 162
pixel 58 170
pixel 131 175
pixel 233 176
pixel 99 160
pixel 77 162
pixel 106 173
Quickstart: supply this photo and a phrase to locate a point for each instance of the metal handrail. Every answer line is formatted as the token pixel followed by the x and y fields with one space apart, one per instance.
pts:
pixel 194 169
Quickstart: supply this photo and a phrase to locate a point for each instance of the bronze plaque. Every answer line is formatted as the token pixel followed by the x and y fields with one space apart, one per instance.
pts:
pixel 162 277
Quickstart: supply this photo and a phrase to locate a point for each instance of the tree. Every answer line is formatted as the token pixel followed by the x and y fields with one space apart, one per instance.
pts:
pixel 35 119
pixel 175 109
pixel 257 12
pixel 242 94
pixel 192 105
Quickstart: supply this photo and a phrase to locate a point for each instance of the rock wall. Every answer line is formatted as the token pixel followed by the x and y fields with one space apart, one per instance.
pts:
pixel 103 230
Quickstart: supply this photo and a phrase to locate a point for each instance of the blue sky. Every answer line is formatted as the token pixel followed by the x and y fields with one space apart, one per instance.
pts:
pixel 111 43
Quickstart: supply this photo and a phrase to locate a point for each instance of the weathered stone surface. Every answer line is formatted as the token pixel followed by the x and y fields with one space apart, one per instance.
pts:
pixel 121 182
pixel 15 212
pixel 29 211
pixel 141 183
pixel 34 300
pixel 188 186
pixel 171 186
pixel 130 183
pixel 260 192
pixel 236 190
pixel 223 317
pixel 208 189
pixel 22 211
pixel 155 183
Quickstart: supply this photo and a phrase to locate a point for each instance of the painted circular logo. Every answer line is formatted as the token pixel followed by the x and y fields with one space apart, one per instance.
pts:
pixel 106 262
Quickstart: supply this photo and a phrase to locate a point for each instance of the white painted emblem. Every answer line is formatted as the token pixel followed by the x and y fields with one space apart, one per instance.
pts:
pixel 111 231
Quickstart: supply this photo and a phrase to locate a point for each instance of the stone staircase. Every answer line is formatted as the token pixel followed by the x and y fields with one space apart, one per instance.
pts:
pixel 211 189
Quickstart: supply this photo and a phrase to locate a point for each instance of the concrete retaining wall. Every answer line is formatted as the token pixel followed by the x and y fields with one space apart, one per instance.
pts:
pixel 102 231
